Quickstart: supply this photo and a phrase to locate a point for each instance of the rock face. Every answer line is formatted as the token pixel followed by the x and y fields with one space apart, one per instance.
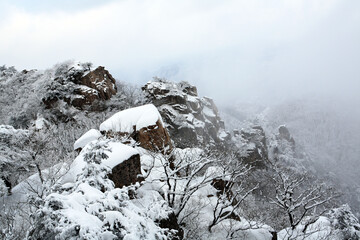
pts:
pixel 79 86
pixel 126 173
pixel 285 134
pixel 191 120
pixel 143 124
pixel 253 141
pixel 154 137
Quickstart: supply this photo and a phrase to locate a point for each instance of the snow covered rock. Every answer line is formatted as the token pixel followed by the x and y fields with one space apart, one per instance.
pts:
pixel 131 120
pixel 144 124
pixel 191 120
pixel 78 85
pixel 344 221
pixel 89 136
pixel 252 145
pixel 285 134
pixel 122 159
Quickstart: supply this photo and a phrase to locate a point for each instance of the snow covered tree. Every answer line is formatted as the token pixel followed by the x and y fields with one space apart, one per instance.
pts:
pixel 231 192
pixel 95 173
pixel 345 223
pixel 301 201
pixel 186 174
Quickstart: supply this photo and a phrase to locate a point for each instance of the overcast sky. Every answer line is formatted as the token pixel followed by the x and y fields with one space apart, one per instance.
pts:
pixel 254 50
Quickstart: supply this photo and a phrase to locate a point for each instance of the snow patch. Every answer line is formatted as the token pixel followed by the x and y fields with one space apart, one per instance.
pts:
pixel 89 136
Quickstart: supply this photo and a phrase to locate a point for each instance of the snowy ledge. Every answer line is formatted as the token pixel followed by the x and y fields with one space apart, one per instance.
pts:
pixel 124 121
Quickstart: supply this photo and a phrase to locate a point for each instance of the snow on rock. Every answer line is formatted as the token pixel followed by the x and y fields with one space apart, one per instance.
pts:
pixel 119 153
pixel 191 120
pixel 132 119
pixel 143 124
pixel 89 136
pixel 78 84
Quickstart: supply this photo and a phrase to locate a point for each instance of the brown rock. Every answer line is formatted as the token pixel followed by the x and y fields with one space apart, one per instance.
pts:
pixel 154 137
pixel 127 172
pixel 86 97
pixel 100 80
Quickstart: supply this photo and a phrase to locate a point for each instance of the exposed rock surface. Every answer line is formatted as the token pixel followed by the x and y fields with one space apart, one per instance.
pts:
pixel 126 173
pixel 252 142
pixel 78 86
pixel 191 120
pixel 154 137
pixel 285 134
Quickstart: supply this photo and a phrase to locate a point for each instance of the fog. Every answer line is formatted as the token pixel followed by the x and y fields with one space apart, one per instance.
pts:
pixel 233 51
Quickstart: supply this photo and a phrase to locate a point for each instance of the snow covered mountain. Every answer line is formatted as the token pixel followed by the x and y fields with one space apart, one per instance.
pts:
pixel 85 157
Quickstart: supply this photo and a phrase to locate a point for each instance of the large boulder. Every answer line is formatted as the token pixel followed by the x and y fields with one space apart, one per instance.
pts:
pixel 191 120
pixel 143 124
pixel 127 172
pixel 153 137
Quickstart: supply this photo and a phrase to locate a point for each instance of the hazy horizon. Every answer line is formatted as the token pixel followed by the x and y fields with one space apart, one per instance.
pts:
pixel 247 51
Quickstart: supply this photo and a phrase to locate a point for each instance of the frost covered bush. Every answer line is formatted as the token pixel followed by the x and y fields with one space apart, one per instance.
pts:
pixel 7 71
pixel 345 222
pixel 95 173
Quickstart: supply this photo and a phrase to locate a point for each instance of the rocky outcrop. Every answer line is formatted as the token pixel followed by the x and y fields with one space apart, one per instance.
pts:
pixel 191 120
pixel 285 134
pixel 79 86
pixel 253 143
pixel 127 172
pixel 142 124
